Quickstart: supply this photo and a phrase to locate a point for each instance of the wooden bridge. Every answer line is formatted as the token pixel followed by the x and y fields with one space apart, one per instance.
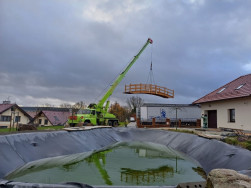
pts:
pixel 149 89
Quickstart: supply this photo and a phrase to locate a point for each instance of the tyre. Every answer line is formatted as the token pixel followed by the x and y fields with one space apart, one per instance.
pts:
pixel 115 124
pixel 86 123
pixel 110 123
pixel 72 124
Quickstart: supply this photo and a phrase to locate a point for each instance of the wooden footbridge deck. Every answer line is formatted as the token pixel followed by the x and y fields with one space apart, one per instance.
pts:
pixel 149 89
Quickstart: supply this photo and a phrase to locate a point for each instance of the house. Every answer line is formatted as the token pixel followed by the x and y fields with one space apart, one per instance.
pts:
pixel 183 112
pixel 51 117
pixel 48 116
pixel 11 115
pixel 228 106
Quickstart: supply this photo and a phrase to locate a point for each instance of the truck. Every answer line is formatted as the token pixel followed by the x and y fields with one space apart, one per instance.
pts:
pixel 97 114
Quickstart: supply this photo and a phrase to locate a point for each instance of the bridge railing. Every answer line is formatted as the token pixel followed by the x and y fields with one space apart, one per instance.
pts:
pixel 149 89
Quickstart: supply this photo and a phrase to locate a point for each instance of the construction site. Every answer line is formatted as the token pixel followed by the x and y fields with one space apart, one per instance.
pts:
pixel 94 151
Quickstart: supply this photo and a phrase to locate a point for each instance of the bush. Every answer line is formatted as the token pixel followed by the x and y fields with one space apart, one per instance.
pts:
pixel 232 141
pixel 248 146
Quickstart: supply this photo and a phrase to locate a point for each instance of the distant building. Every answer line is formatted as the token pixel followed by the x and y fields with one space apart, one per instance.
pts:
pixel 184 112
pixel 51 117
pixel 12 115
pixel 229 106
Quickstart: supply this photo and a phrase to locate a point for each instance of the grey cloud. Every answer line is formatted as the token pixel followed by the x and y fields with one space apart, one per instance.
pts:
pixel 49 49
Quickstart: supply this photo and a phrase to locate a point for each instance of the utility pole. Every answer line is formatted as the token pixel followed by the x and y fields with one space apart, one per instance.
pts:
pixel 17 120
pixel 14 117
pixel 10 120
pixel 176 110
pixel 12 111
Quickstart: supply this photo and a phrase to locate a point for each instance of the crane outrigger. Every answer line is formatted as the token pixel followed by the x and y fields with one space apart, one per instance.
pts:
pixel 97 114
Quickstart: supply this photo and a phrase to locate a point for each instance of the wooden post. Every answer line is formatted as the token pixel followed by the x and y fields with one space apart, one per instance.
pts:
pixel 138 122
pixel 179 123
pixel 168 122
pixel 153 122
pixel 17 121
pixel 198 123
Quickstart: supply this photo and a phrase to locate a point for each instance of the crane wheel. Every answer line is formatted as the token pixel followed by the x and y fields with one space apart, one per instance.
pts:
pixel 110 123
pixel 115 124
pixel 86 123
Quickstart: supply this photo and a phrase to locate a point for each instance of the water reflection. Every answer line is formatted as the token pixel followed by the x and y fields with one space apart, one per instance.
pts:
pixel 146 176
pixel 99 159
pixel 133 176
pixel 133 163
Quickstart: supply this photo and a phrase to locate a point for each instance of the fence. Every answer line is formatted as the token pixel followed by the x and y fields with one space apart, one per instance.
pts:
pixel 161 122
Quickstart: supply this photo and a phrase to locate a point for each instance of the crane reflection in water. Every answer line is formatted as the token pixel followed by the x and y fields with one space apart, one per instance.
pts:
pixel 125 163
pixel 136 176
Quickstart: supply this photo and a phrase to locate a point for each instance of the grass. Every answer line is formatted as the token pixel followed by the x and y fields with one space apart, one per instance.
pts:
pixel 5 130
pixel 182 131
pixel 122 124
pixel 229 140
pixel 45 128
pixel 49 128
pixel 237 142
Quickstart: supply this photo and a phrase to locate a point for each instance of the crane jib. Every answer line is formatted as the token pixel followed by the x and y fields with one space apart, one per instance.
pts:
pixel 122 75
pixel 98 114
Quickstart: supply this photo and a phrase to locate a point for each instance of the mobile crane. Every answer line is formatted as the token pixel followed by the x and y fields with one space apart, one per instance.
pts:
pixel 97 114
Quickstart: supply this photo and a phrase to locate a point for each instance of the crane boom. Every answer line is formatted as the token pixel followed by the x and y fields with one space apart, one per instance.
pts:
pixel 98 114
pixel 121 76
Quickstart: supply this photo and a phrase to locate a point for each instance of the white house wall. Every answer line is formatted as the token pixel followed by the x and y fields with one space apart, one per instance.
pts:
pixel 23 119
pixel 43 118
pixel 242 108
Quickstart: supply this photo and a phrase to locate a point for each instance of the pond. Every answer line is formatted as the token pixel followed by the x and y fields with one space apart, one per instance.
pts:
pixel 125 163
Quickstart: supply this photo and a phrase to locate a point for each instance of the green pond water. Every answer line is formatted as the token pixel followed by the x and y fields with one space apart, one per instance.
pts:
pixel 132 163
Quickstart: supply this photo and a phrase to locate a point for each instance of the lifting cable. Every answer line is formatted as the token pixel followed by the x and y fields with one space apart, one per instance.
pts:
pixel 110 83
pixel 150 78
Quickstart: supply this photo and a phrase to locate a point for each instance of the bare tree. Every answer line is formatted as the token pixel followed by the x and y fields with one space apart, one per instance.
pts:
pixel 134 102
pixel 79 105
pixel 65 105
pixel 47 105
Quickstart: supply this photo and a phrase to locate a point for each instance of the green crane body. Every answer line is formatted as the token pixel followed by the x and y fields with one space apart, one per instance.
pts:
pixel 97 114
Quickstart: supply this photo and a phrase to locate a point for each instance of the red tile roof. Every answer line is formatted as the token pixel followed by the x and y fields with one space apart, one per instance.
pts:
pixel 4 107
pixel 32 113
pixel 56 117
pixel 240 87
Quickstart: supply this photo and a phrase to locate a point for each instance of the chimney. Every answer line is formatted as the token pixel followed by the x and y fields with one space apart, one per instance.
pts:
pixel 6 102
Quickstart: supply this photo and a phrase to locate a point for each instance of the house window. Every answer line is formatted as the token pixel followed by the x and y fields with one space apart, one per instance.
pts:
pixel 221 90
pixel 17 119
pixel 40 121
pixel 239 87
pixel 231 115
pixel 5 118
pixel 46 121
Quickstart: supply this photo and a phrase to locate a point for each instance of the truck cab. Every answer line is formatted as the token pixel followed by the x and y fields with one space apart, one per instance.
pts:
pixel 84 117
pixel 92 117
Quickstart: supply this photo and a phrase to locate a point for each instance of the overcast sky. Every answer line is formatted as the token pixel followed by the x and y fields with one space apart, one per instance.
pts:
pixel 64 51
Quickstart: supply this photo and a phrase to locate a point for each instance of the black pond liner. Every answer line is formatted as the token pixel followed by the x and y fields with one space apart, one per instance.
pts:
pixel 18 149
